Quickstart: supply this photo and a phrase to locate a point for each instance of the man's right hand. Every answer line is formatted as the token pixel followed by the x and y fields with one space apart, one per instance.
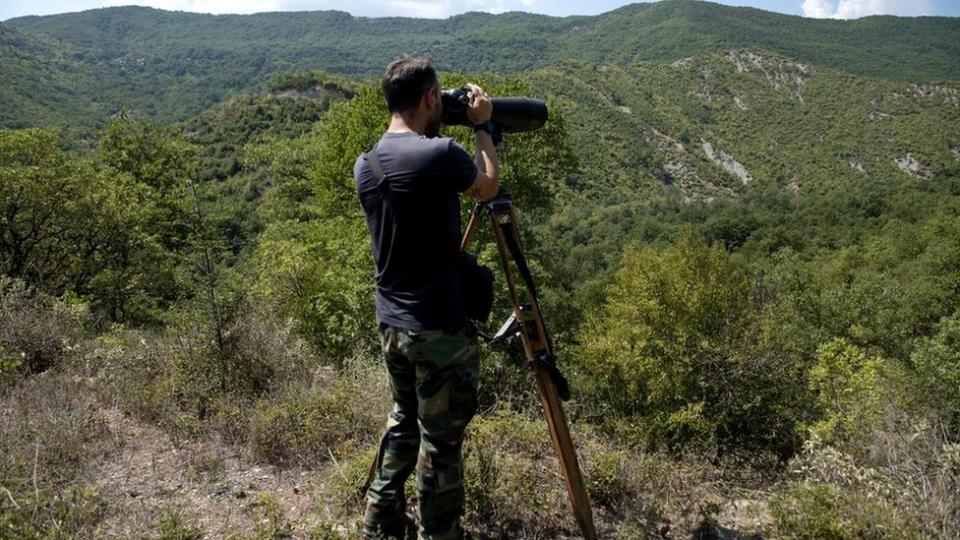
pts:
pixel 487 184
pixel 480 108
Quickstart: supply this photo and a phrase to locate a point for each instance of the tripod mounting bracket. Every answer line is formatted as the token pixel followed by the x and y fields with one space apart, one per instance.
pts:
pixel 501 203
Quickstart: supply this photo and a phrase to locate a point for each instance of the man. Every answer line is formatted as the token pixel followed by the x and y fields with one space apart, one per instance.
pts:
pixel 430 351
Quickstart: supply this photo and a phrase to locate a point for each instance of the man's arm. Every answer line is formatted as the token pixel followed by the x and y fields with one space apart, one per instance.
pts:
pixel 487 183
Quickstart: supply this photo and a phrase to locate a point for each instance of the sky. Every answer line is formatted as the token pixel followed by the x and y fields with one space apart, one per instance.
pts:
pixel 835 9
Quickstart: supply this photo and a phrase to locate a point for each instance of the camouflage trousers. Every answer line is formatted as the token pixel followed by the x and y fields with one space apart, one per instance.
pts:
pixel 433 381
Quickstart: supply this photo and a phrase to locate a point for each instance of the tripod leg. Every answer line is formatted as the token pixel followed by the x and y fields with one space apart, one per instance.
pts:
pixel 471 226
pixel 567 455
pixel 535 341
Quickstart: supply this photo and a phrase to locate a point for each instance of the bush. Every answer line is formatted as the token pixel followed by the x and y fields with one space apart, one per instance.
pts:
pixel 937 363
pixel 912 494
pixel 851 391
pixel 308 425
pixel 348 478
pixel 176 524
pixel 9 366
pixel 606 482
pixel 513 486
pixel 182 381
pixel 318 274
pixel 37 329
pixel 679 357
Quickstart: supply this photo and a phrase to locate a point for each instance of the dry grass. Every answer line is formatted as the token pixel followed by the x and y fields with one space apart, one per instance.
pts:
pixel 35 328
pixel 51 435
pixel 135 434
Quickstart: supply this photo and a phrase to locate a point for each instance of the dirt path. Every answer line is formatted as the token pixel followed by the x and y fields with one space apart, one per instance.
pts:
pixel 211 486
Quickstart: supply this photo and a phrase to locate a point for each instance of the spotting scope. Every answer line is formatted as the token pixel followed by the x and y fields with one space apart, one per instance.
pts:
pixel 510 114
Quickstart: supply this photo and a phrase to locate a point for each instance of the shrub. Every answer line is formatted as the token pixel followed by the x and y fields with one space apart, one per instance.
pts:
pixel 912 494
pixel 318 274
pixel 851 391
pixel 9 366
pixel 606 482
pixel 512 483
pixel 678 356
pixel 937 364
pixel 180 380
pixel 308 425
pixel 37 328
pixel 348 477
pixel 176 524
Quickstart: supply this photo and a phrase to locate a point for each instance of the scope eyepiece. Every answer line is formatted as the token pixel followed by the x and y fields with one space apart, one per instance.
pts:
pixel 510 114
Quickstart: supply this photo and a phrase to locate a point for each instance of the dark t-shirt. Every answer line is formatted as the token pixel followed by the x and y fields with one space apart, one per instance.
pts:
pixel 415 227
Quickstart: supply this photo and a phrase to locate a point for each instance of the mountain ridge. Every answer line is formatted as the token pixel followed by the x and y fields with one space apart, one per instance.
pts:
pixel 637 121
pixel 659 31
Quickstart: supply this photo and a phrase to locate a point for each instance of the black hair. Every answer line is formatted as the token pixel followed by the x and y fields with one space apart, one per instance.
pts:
pixel 405 82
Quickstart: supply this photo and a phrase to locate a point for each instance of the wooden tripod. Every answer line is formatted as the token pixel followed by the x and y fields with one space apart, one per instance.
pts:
pixel 527 324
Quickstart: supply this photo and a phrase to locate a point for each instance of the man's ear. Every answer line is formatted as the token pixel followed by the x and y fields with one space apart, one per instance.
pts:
pixel 430 99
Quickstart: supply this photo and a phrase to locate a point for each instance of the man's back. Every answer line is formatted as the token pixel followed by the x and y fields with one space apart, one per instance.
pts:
pixel 414 223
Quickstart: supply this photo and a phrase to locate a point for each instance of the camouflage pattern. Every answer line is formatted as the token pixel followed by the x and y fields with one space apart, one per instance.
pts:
pixel 433 380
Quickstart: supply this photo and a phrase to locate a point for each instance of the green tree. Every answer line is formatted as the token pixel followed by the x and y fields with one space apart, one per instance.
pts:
pixel 72 225
pixel 43 196
pixel 164 164
pixel 937 364
pixel 678 354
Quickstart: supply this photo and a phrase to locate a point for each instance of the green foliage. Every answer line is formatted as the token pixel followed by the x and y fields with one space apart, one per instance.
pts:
pixel 311 425
pixel 645 126
pixel 812 512
pixel 46 194
pixel 677 357
pixel 347 479
pixel 509 483
pixel 324 532
pixel 183 383
pixel 851 391
pixel 222 133
pixel 101 231
pixel 284 168
pixel 175 524
pixel 9 366
pixel 314 83
pixel 605 478
pixel 271 522
pixel 38 330
pixel 694 310
pixel 75 511
pixel 171 65
pixel 348 130
pixel 847 502
pixel 318 273
pixel 937 363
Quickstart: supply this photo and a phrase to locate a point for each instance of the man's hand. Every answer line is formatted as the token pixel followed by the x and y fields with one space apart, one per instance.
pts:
pixel 480 108
pixel 487 184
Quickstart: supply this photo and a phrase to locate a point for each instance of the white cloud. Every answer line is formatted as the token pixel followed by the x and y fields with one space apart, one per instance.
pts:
pixel 820 9
pixel 852 9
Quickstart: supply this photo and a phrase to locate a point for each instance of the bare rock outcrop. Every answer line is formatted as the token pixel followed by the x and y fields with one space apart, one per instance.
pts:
pixel 781 73
pixel 725 161
pixel 910 165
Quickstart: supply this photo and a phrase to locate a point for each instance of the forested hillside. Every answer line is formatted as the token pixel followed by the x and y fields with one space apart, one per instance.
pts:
pixel 172 65
pixel 709 125
pixel 745 228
